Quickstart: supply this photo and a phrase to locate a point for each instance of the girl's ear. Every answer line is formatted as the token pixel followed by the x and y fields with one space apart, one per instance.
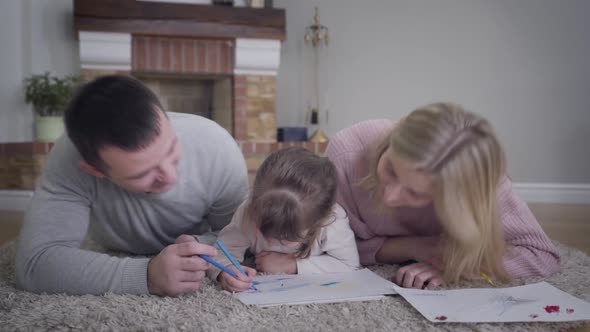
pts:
pixel 91 170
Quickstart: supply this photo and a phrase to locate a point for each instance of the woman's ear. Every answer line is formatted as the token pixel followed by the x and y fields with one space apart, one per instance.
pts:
pixel 91 170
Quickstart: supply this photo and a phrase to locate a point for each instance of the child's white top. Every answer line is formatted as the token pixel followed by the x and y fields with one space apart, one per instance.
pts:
pixel 334 250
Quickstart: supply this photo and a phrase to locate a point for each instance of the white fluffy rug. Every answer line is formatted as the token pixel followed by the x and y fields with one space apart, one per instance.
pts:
pixel 211 309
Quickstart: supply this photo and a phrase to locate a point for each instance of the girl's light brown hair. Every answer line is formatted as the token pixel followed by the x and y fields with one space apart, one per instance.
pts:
pixel 462 152
pixel 292 197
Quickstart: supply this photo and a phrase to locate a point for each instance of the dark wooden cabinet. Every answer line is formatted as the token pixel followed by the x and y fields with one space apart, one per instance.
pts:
pixel 176 19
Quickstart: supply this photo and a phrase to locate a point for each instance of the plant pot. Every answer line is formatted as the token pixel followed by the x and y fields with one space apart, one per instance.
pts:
pixel 49 128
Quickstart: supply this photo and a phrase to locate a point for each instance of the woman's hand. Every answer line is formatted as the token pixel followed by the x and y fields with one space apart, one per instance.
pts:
pixel 418 275
pixel 240 284
pixel 275 262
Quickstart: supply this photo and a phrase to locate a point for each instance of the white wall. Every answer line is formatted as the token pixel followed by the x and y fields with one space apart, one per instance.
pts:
pixel 36 36
pixel 15 119
pixel 53 41
pixel 522 64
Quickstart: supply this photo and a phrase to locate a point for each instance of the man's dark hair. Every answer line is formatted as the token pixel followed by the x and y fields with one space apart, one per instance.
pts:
pixel 112 110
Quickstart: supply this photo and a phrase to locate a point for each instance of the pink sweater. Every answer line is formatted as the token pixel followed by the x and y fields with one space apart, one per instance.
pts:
pixel 530 253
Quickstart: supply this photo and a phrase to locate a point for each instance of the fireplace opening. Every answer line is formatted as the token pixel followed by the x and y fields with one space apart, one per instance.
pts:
pixel 209 96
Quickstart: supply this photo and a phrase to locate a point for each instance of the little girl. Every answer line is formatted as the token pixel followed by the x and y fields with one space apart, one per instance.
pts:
pixel 291 222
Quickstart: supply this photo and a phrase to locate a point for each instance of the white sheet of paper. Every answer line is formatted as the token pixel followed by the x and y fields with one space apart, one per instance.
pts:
pixel 361 285
pixel 538 302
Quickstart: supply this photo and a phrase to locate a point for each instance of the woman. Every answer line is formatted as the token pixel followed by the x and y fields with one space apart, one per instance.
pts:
pixel 432 190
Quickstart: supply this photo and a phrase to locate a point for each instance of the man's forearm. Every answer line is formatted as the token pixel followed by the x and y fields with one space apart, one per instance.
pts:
pixel 49 258
pixel 75 271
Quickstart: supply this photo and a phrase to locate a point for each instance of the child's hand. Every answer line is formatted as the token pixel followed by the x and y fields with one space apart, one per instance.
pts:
pixel 274 262
pixel 418 275
pixel 232 284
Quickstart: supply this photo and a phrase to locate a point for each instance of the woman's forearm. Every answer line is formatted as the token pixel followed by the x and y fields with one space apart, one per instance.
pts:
pixel 400 249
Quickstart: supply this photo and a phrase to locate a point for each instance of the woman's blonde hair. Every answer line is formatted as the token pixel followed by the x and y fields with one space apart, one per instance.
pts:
pixel 462 152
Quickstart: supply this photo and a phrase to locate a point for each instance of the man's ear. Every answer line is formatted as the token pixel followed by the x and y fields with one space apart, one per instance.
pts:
pixel 91 170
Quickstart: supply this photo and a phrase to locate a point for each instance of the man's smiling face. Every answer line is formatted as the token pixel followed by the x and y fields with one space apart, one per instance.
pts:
pixel 151 169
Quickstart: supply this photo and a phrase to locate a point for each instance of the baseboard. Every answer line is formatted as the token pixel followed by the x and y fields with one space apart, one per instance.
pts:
pixel 15 200
pixel 553 192
pixel 18 200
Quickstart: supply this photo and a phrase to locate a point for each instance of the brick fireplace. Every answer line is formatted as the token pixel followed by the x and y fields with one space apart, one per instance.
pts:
pixel 215 61
pixel 189 75
pixel 196 75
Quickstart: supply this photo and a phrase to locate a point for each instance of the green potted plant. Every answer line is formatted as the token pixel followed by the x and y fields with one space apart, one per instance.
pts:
pixel 49 96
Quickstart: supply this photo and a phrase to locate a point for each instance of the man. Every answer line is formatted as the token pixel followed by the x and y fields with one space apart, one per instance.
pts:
pixel 144 181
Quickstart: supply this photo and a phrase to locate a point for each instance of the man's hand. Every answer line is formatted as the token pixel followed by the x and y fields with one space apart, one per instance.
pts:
pixel 177 269
pixel 232 284
pixel 418 275
pixel 274 262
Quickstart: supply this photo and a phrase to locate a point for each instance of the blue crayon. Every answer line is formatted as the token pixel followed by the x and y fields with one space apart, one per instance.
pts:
pixel 230 257
pixel 219 266
pixel 234 262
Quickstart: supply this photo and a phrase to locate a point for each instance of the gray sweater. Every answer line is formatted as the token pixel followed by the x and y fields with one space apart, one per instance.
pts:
pixel 212 182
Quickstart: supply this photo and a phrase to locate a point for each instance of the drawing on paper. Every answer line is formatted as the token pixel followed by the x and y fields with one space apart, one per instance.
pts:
pixel 534 302
pixel 314 288
pixel 504 302
pixel 552 309
pixel 270 281
pixel 283 288
pixel 280 284
pixel 283 284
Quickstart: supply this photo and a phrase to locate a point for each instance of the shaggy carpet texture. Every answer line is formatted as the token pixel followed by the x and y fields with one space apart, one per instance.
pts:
pixel 211 309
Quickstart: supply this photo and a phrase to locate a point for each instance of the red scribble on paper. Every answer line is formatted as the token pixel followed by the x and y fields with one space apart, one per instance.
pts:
pixel 569 310
pixel 533 315
pixel 441 318
pixel 552 308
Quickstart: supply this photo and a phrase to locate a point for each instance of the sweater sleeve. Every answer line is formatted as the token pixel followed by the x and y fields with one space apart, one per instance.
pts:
pixel 230 181
pixel 368 243
pixel 234 239
pixel 337 244
pixel 49 258
pixel 529 251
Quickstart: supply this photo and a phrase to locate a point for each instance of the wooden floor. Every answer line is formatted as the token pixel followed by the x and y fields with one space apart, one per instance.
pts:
pixel 10 223
pixel 569 224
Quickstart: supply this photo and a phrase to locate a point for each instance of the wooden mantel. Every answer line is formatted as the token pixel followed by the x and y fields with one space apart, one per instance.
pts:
pixel 176 19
